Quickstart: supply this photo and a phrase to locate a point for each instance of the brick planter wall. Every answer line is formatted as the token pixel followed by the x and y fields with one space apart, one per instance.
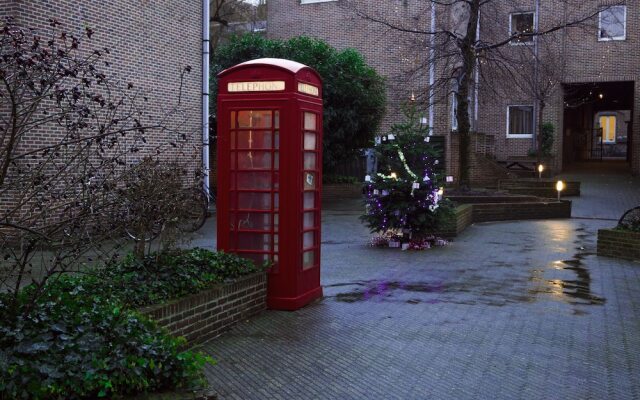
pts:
pixel 619 244
pixel 540 188
pixel 337 192
pixel 463 218
pixel 205 315
pixel 518 211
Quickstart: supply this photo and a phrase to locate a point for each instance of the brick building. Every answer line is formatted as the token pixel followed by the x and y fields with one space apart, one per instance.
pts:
pixel 594 104
pixel 150 45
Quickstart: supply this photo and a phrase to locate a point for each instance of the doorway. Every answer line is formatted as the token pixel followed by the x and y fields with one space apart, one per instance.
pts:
pixel 598 121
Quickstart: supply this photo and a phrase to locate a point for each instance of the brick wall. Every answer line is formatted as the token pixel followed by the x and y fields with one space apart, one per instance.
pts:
pixel 619 244
pixel 149 43
pixel 393 54
pixel 205 315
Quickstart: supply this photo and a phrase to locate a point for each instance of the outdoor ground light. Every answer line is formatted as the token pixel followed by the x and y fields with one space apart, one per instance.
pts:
pixel 540 169
pixel 394 175
pixel 559 188
pixel 440 193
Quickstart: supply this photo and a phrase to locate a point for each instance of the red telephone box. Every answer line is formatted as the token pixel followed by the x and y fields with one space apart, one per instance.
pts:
pixel 269 173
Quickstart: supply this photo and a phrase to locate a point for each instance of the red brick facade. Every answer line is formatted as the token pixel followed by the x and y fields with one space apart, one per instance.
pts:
pixel 401 57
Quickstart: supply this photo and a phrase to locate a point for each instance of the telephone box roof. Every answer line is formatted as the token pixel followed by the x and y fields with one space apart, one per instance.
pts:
pixel 288 65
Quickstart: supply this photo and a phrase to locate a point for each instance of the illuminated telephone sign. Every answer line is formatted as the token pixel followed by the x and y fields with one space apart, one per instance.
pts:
pixel 270 174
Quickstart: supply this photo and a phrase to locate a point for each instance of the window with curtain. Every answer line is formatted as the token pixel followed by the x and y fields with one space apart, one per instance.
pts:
pixel 521 23
pixel 519 121
pixel 613 24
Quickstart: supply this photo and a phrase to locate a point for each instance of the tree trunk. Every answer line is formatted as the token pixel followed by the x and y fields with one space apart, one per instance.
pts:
pixel 467 49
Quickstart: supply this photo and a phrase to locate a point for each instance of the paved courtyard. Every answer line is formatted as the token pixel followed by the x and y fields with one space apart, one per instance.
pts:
pixel 514 310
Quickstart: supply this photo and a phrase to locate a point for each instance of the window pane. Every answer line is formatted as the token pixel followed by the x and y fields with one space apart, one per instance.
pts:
pixel 276 118
pixel 309 121
pixel 254 139
pixel 254 241
pixel 254 160
pixel 309 141
pixel 254 119
pixel 308 239
pixel 309 220
pixel 253 180
pixel 309 160
pixel 254 221
pixel 520 120
pixel 309 200
pixel 233 119
pixel 254 201
pixel 612 23
pixel 258 259
pixel 308 259
pixel 522 24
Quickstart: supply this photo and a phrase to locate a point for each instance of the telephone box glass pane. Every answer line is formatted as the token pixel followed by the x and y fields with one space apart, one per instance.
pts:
pixel 309 200
pixel 254 241
pixel 275 243
pixel 309 160
pixel 254 180
pixel 258 259
pixel 254 119
pixel 276 119
pixel 254 139
pixel 233 119
pixel 254 201
pixel 276 160
pixel 308 239
pixel 309 180
pixel 308 259
pixel 309 141
pixel 276 201
pixel 309 220
pixel 254 221
pixel 276 140
pixel 276 222
pixel 254 160
pixel 309 121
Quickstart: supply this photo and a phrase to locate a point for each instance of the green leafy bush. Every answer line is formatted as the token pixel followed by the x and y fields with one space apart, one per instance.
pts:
pixel 354 94
pixel 83 338
pixel 164 276
pixel 73 344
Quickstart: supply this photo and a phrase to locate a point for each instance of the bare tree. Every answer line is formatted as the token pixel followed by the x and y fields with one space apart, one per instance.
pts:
pixel 469 36
pixel 70 135
pixel 232 17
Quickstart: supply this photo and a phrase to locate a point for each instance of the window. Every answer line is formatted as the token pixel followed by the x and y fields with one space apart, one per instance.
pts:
pixel 608 126
pixel 521 23
pixel 454 110
pixel 613 23
pixel 519 121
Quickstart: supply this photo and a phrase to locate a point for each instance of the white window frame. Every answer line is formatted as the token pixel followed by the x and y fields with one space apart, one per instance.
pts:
pixel 512 42
pixel 524 135
pixel 624 22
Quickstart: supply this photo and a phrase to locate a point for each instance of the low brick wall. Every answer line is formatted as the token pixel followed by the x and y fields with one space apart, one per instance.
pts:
pixel 463 217
pixel 205 315
pixel 619 244
pixel 519 211
pixel 540 188
pixel 337 192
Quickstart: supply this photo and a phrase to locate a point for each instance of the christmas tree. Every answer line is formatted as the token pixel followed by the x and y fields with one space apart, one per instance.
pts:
pixel 404 198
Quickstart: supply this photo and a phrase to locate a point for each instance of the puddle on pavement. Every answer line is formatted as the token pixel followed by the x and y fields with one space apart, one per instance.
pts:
pixel 568 281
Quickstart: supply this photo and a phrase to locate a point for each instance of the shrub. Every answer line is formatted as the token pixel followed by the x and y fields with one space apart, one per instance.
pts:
pixel 74 344
pixel 353 93
pixel 165 276
pixel 81 339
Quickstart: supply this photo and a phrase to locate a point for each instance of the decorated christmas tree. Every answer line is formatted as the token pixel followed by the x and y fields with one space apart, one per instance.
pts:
pixel 404 198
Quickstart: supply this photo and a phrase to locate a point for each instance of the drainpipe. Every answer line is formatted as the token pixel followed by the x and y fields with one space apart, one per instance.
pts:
pixel 432 65
pixel 536 88
pixel 205 93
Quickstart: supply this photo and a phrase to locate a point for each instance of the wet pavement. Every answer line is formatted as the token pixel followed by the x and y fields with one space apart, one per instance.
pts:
pixel 513 310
